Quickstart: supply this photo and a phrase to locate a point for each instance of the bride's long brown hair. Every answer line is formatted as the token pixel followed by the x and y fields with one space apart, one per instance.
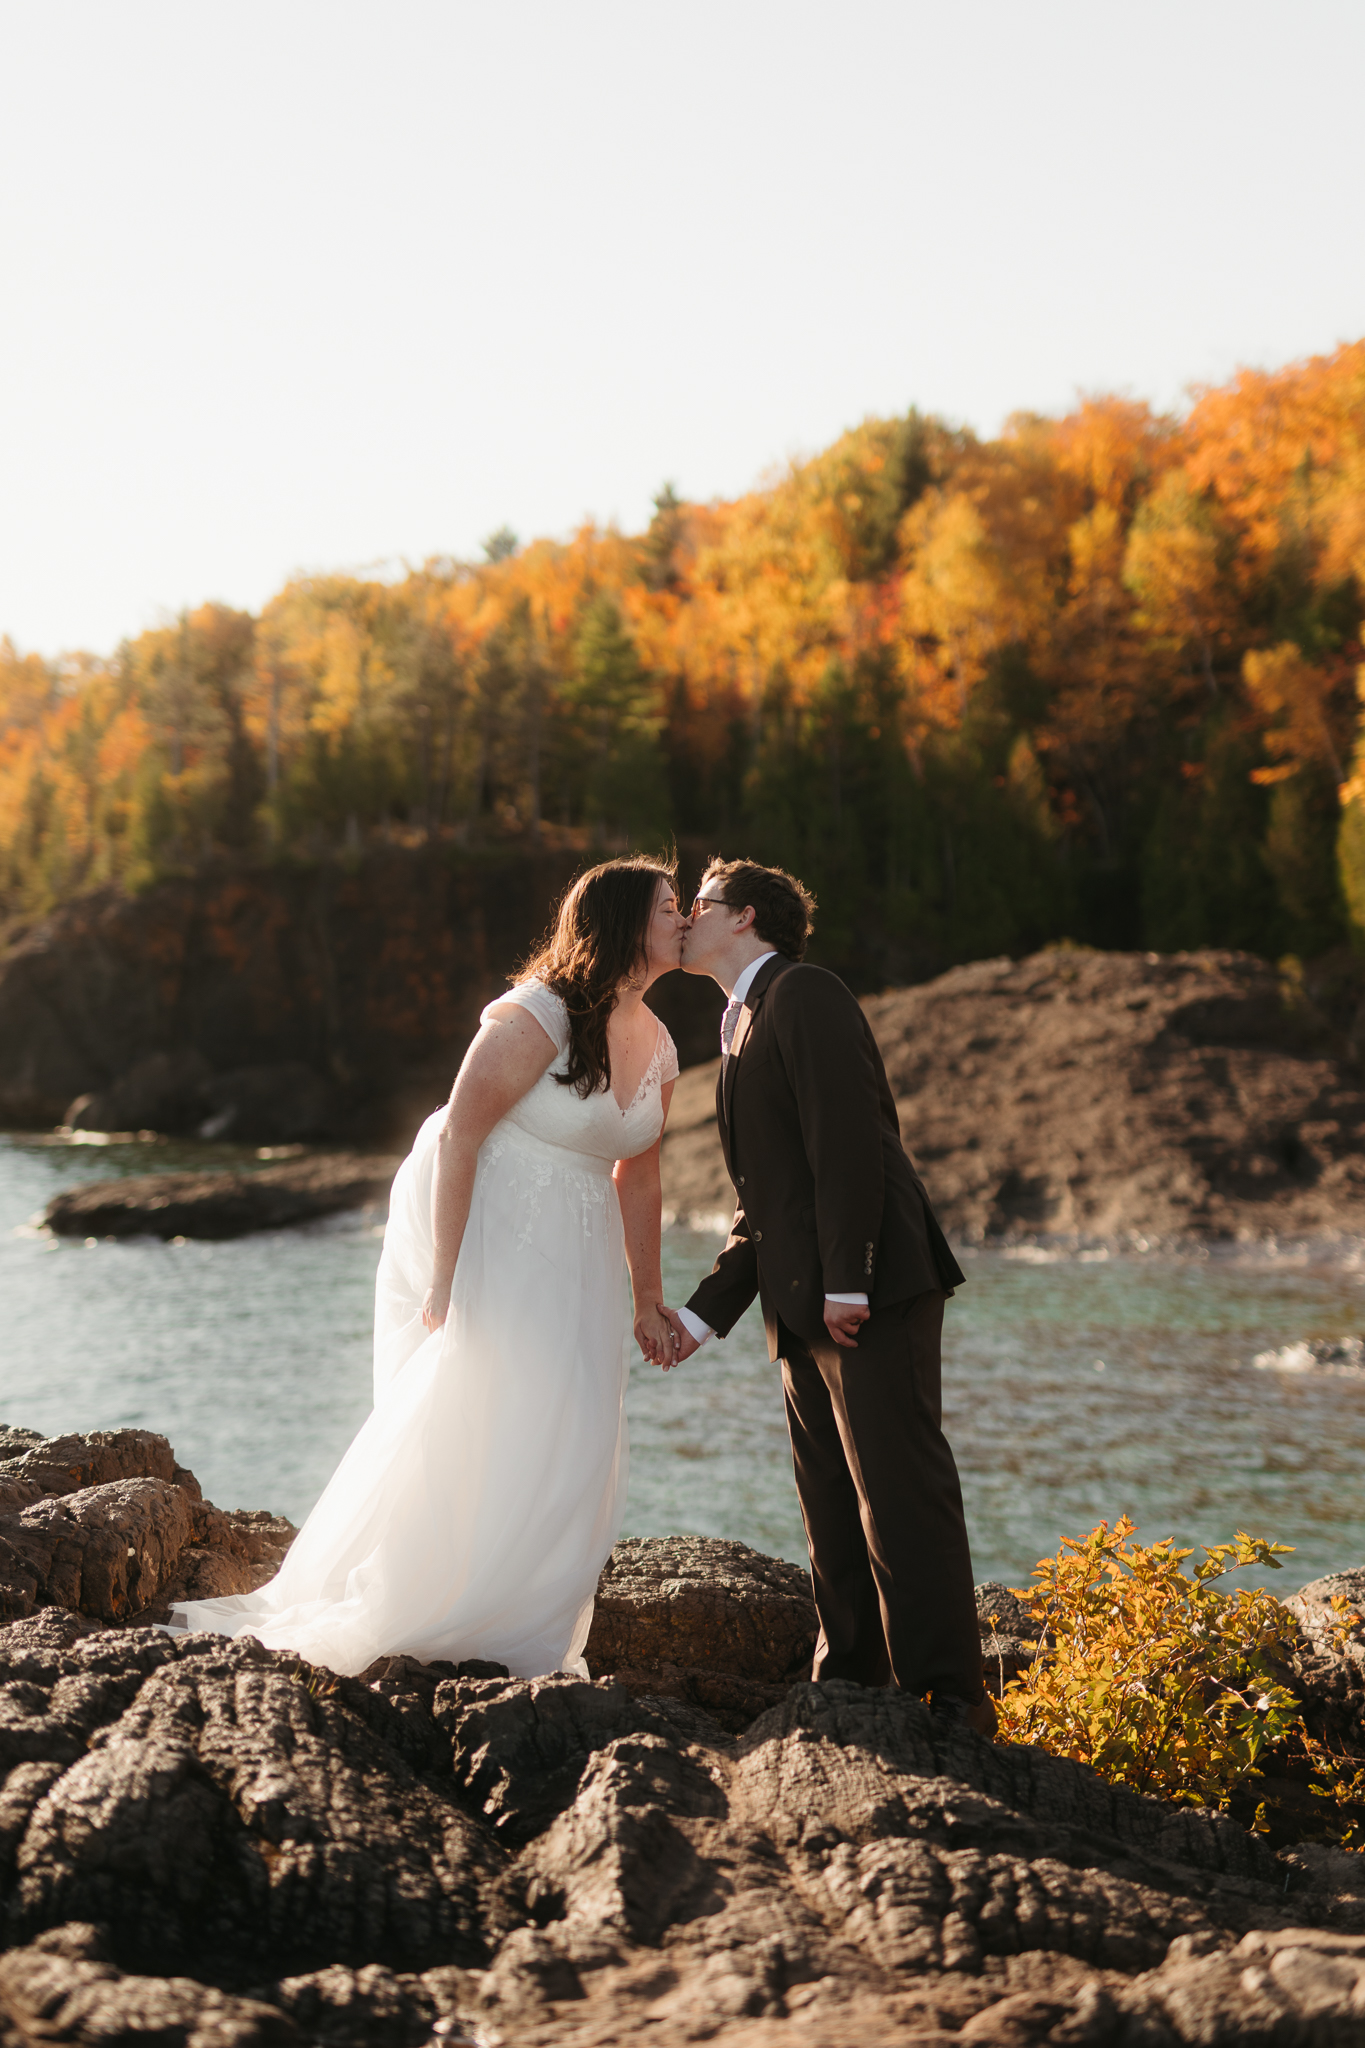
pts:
pixel 600 939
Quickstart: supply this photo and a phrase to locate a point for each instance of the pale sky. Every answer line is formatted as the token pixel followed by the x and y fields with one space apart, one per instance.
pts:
pixel 307 284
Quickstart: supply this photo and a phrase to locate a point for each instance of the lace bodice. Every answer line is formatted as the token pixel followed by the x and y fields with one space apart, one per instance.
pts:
pixel 594 1128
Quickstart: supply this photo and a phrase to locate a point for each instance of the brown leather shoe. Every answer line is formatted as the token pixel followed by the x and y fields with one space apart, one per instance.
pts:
pixel 955 1713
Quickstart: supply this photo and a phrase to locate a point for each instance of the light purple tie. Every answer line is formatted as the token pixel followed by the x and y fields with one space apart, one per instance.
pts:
pixel 729 1024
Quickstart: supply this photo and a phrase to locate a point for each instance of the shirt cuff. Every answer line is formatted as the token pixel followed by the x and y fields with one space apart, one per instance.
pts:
pixel 856 1300
pixel 694 1326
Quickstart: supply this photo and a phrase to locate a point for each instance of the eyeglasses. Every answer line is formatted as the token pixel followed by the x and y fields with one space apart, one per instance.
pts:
pixel 699 900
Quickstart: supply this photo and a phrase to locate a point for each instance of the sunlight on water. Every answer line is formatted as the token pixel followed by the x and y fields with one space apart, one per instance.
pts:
pixel 1199 1395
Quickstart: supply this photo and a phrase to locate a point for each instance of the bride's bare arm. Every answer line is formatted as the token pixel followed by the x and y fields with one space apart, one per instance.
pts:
pixel 509 1056
pixel 641 1198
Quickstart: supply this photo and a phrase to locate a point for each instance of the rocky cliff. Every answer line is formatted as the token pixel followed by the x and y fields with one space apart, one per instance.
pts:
pixel 279 1004
pixel 1115 1095
pixel 211 1845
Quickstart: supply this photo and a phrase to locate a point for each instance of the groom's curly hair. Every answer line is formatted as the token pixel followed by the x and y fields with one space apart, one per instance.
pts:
pixel 600 938
pixel 784 909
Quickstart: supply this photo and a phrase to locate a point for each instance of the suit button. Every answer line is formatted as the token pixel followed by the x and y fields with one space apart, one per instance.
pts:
pixel 741 1180
pixel 758 1237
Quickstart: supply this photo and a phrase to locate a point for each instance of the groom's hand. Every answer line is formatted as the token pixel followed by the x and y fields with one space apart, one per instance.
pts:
pixel 654 1336
pixel 843 1320
pixel 684 1343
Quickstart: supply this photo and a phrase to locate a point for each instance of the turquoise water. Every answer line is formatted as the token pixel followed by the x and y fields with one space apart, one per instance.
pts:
pixel 1076 1387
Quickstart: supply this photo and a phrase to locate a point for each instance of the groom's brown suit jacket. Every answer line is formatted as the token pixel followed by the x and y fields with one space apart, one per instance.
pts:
pixel 826 1200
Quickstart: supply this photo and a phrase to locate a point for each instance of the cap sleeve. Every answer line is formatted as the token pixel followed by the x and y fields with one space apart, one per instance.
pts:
pixel 668 1070
pixel 545 1006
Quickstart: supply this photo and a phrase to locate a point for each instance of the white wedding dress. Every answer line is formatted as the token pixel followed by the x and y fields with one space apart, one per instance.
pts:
pixel 474 1511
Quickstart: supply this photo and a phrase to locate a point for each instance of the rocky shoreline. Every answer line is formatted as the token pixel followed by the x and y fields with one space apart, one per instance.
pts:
pixel 1123 1098
pixel 204 1842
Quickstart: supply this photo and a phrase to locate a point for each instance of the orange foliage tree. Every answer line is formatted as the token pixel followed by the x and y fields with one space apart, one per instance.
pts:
pixel 1091 678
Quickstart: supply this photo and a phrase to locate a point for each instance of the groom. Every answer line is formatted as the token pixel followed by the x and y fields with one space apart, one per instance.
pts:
pixel 834 1232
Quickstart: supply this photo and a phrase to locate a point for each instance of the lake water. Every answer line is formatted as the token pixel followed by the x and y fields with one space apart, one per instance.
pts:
pixel 1076 1386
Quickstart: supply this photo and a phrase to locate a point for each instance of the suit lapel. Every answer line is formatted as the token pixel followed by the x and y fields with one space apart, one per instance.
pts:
pixel 730 1068
pixel 721 1123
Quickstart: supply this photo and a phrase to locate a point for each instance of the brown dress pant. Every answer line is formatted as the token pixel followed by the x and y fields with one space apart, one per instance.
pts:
pixel 882 1505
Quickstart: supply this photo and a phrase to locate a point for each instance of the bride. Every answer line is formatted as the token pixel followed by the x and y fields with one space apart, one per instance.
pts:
pixel 474 1511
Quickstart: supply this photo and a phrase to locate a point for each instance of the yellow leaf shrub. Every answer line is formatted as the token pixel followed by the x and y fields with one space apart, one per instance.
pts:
pixel 1156 1679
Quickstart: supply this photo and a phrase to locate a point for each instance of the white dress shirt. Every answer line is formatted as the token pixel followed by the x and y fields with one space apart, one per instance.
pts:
pixel 693 1324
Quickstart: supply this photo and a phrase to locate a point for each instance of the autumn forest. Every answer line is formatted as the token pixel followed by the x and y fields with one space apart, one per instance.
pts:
pixel 1096 679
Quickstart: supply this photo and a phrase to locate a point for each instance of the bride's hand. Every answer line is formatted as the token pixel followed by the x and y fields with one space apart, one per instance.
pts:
pixel 655 1338
pixel 433 1315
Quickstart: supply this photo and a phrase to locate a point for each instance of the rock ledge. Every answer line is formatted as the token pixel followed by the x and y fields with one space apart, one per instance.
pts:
pixel 221 1204
pixel 213 1845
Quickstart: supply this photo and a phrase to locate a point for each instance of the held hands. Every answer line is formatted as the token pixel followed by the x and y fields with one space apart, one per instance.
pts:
pixel 655 1337
pixel 684 1342
pixel 843 1320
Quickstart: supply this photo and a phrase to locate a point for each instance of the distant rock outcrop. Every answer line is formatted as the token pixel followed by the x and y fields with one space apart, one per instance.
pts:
pixel 160 1093
pixel 219 1204
pixel 1106 1095
pixel 281 1104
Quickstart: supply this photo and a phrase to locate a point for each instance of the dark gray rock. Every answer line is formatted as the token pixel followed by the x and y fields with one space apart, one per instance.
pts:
pixel 105 1551
pixel 1010 1632
pixel 1329 1659
pixel 267 1105
pixel 15 1442
pixel 1277 1985
pixel 232 1552
pixel 529 1973
pixel 65 1464
pixel 63 1988
pixel 374 2007
pixel 222 1205
pixel 229 1809
pixel 159 1093
pixel 206 1842
pixel 233 1815
pixel 1000 1610
pixel 106 1524
pixel 273 1104
pixel 703 1620
pixel 903 1734
pixel 518 1749
pixel 850 1866
pixel 1348 1586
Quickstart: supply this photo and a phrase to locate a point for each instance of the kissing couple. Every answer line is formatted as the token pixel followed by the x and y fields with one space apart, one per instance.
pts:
pixel 474 1511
